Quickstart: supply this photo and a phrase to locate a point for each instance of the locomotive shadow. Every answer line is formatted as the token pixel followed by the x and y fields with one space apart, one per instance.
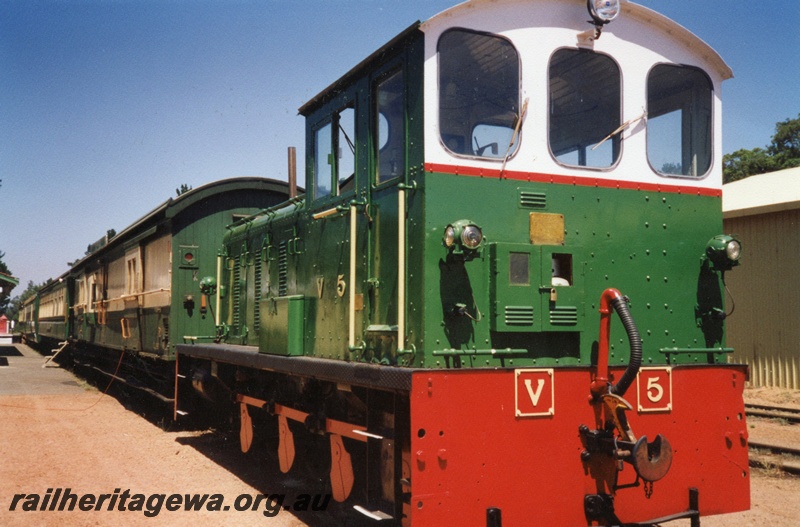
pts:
pixel 259 469
pixel 216 439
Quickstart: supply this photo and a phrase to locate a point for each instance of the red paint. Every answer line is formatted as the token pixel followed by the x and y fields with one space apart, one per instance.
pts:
pixel 569 180
pixel 470 452
pixel 599 384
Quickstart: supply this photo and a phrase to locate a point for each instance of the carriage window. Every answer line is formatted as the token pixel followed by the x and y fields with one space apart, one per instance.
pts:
pixel 478 94
pixel 679 120
pixel 585 104
pixel 133 275
pixel 391 156
pixel 323 161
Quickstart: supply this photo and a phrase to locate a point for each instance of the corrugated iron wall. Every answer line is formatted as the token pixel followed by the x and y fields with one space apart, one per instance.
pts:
pixel 765 327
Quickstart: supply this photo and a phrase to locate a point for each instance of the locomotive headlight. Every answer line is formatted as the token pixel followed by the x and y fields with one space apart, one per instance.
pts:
pixel 733 250
pixel 449 236
pixel 471 236
pixel 724 252
pixel 603 11
pixel 462 235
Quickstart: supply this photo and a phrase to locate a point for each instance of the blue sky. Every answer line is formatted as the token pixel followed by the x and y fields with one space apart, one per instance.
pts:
pixel 108 106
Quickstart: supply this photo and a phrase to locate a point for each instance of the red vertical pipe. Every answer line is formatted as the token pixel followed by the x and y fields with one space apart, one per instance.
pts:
pixel 599 384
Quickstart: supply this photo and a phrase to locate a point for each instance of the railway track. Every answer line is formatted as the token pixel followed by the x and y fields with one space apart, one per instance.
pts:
pixel 774 456
pixel 791 415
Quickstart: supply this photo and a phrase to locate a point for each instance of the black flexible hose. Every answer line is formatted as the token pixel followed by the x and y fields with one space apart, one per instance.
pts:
pixel 620 305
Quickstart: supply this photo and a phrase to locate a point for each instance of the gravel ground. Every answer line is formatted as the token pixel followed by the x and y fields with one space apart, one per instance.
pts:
pixel 67 435
pixel 57 432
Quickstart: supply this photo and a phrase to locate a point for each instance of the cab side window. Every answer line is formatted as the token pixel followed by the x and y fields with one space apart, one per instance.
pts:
pixel 334 154
pixel 390 127
pixel 323 161
pixel 346 149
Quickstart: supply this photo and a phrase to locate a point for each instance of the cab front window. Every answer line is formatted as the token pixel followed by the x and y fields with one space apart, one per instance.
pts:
pixel 478 94
pixel 585 108
pixel 679 120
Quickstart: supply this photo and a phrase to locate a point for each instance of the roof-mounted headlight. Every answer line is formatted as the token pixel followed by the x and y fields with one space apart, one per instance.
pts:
pixel 603 11
pixel 724 252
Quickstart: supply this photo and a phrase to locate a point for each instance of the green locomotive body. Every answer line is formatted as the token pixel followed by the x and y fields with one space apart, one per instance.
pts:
pixel 363 254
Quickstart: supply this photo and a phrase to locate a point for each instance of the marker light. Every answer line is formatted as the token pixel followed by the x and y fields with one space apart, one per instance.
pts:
pixel 603 11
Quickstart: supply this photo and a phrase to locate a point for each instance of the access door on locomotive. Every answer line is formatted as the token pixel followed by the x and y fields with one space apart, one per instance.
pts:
pixel 364 158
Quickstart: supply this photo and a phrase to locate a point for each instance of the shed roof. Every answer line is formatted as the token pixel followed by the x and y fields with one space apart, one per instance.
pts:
pixel 8 278
pixel 771 192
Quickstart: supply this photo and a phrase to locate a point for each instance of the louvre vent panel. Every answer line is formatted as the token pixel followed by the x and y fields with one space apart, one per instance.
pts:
pixel 283 269
pixel 519 315
pixel 237 290
pixel 533 200
pixel 257 303
pixel 564 316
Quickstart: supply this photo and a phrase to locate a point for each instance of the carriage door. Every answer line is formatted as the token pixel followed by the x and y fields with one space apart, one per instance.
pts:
pixel 386 263
pixel 129 324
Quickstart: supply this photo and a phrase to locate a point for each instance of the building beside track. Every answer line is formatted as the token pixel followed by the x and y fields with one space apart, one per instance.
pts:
pixel 764 211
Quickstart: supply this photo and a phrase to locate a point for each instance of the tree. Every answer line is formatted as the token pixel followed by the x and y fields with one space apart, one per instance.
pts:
pixel 18 301
pixel 671 168
pixel 783 152
pixel 5 286
pixel 184 188
pixel 785 145
pixel 744 163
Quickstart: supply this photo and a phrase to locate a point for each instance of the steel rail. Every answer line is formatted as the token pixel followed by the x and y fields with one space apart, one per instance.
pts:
pixel 789 414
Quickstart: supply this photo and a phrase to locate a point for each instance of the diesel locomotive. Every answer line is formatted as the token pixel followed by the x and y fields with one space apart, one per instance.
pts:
pixel 501 299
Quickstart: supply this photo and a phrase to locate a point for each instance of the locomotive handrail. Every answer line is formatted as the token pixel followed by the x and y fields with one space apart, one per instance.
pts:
pixel 328 212
pixel 457 352
pixel 267 211
pixel 667 351
pixel 401 267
